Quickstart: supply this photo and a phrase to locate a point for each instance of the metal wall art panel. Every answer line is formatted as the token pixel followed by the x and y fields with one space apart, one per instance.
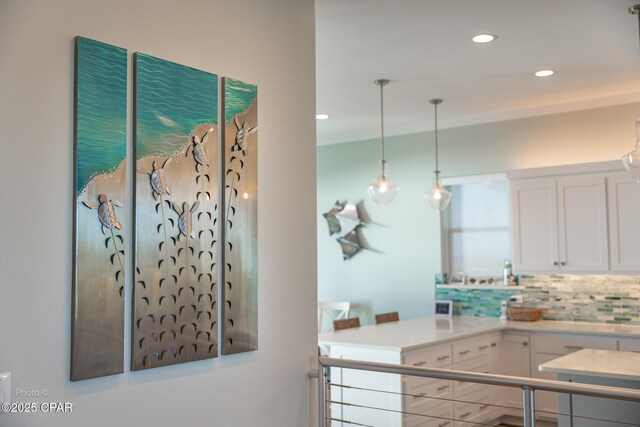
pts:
pixel 240 290
pixel 177 198
pixel 97 328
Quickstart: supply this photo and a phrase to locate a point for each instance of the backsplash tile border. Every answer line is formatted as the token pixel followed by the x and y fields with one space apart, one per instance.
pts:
pixel 580 298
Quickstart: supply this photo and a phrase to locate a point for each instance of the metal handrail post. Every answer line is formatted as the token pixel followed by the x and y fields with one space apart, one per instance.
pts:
pixel 323 373
pixel 529 406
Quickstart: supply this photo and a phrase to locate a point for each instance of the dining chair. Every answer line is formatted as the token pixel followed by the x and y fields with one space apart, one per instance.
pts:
pixel 335 310
pixel 351 322
pixel 387 317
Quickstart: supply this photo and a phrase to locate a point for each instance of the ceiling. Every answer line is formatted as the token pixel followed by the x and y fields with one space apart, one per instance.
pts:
pixel 424 47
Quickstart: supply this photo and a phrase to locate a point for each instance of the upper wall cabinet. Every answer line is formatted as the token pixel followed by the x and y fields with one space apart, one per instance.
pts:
pixel 575 219
pixel 624 215
pixel 560 225
pixel 535 225
pixel 582 224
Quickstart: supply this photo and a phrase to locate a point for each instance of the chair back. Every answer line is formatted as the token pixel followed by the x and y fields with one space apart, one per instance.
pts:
pixel 387 317
pixel 352 322
pixel 335 310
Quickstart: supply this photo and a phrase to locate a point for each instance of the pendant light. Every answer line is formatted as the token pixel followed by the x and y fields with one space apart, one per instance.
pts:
pixel 437 197
pixel 382 190
pixel 631 160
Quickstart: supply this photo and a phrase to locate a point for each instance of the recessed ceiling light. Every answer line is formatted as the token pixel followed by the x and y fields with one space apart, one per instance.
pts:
pixel 322 116
pixel 484 38
pixel 544 73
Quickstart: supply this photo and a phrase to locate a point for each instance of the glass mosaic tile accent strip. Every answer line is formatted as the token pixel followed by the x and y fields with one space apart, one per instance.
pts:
pixel 581 298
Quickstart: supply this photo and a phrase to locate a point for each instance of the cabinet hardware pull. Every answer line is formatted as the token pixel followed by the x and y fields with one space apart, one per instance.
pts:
pixel 446 423
pixel 443 387
pixel 443 358
pixel 555 262
pixel 465 415
pixel 421 394
pixel 420 363
pixel 493 344
pixel 483 347
pixel 525 343
pixel 483 407
pixel 573 347
pixel 464 352
pixel 563 263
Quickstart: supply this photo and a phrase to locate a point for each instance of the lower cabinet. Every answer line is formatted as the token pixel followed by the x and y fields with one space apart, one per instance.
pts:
pixel 549 346
pixel 516 362
pixel 478 412
pixel 408 401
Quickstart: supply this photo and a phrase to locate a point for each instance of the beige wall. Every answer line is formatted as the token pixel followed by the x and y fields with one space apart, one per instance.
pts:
pixel 267 43
pixel 400 275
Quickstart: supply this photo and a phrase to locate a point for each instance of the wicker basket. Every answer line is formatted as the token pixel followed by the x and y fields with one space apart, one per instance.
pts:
pixel 525 314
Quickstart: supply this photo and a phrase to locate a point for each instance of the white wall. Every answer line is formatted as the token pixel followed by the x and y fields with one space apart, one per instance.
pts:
pixel 267 43
pixel 401 278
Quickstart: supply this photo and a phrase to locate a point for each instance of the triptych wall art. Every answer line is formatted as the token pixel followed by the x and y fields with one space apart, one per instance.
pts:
pixel 194 208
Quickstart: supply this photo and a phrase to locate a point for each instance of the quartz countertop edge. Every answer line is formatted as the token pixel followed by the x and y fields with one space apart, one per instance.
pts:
pixel 407 335
pixel 623 365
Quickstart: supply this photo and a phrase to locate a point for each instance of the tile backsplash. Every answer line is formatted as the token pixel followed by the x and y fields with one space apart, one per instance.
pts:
pixel 583 298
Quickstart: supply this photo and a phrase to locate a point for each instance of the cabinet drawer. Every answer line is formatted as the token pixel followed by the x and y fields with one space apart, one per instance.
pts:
pixel 425 394
pixel 471 348
pixel 432 357
pixel 480 364
pixel 469 413
pixel 442 416
pixel 568 343
pixel 630 344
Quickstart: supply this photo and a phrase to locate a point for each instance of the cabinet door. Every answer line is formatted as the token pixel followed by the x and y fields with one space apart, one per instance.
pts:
pixel 535 225
pixel 624 214
pixel 516 362
pixel 582 224
pixel 545 400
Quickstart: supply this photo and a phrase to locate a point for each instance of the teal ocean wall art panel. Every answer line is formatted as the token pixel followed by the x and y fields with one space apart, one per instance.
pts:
pixel 100 92
pixel 240 257
pixel 176 207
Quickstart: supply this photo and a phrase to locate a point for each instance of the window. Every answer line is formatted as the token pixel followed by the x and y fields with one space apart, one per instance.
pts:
pixel 477 227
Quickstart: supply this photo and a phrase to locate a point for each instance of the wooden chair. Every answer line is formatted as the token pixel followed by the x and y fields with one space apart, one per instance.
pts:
pixel 351 322
pixel 334 310
pixel 387 317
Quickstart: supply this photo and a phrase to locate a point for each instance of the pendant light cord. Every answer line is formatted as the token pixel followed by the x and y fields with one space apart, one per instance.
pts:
pixel 435 106
pixel 382 118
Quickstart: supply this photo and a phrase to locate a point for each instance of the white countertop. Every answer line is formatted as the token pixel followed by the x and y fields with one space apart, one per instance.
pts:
pixel 415 333
pixel 597 363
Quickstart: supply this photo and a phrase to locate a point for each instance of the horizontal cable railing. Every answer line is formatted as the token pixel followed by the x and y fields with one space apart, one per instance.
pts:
pixel 527 385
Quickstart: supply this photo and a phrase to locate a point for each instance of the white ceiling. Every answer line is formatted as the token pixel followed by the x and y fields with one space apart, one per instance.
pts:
pixel 424 47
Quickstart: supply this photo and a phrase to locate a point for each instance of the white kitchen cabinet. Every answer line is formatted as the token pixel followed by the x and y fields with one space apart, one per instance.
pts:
pixel 560 224
pixel 508 348
pixel 535 225
pixel 516 362
pixel 582 224
pixel 624 212
pixel 546 401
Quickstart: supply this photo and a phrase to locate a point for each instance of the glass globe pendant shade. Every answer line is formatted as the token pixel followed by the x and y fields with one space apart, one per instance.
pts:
pixel 437 197
pixel 631 160
pixel 383 190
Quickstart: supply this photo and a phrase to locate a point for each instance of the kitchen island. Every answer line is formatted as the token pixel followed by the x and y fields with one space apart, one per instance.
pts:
pixel 460 343
pixel 598 367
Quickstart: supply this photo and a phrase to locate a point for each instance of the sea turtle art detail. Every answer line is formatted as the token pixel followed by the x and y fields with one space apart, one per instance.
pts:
pixel 241 134
pixel 198 149
pixel 158 180
pixel 106 212
pixel 185 221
